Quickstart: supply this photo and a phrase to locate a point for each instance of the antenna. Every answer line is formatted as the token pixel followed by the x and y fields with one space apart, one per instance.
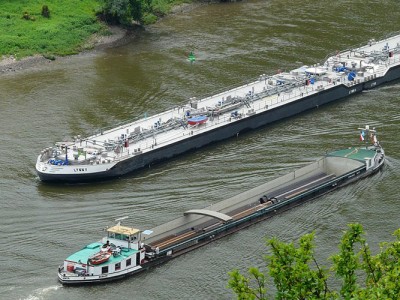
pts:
pixel 120 219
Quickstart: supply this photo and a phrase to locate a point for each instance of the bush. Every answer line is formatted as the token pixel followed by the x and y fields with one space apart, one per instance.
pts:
pixel 49 56
pixel 26 16
pixel 297 275
pixel 149 18
pixel 45 11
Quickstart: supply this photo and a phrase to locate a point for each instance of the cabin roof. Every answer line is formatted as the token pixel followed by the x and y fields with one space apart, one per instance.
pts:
pixel 123 230
pixel 84 254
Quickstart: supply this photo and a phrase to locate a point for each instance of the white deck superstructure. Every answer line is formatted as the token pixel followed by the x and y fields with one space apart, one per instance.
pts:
pixel 362 68
pixel 123 251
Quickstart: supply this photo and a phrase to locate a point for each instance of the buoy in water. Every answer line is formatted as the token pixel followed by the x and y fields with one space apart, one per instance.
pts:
pixel 191 57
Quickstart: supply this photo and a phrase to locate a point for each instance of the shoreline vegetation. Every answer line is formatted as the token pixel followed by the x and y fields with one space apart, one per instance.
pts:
pixel 34 33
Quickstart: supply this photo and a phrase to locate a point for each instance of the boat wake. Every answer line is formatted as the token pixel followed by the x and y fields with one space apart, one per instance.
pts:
pixel 41 293
pixel 392 163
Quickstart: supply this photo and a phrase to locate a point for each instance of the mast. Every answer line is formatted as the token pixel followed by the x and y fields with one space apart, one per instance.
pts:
pixel 367 132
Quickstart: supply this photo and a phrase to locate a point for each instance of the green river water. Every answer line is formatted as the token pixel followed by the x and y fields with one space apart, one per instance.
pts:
pixel 41 224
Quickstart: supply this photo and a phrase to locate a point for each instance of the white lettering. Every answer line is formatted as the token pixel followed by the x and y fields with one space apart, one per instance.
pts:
pixel 352 91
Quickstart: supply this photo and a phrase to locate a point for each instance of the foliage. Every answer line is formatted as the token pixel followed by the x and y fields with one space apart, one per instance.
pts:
pixel 45 11
pixel 122 11
pixel 149 18
pixel 70 25
pixel 381 271
pixel 26 16
pixel 290 268
pixel 140 11
pixel 241 284
pixel 297 275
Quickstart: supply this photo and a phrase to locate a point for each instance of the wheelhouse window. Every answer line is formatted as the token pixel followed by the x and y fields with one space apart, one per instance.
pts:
pixel 104 270
pixel 128 262
pixel 117 266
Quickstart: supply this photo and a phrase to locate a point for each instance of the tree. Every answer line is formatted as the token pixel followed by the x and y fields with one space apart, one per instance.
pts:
pixel 381 271
pixel 297 275
pixel 122 11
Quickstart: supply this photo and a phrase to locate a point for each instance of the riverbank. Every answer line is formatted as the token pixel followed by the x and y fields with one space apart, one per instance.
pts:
pixel 117 36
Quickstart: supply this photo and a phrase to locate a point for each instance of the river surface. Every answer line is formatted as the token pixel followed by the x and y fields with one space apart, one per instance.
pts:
pixel 42 224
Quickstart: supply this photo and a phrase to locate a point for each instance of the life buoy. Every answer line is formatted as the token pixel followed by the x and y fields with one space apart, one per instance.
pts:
pixel 142 261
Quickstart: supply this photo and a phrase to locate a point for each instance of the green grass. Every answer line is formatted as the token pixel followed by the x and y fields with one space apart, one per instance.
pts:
pixel 70 24
pixel 66 32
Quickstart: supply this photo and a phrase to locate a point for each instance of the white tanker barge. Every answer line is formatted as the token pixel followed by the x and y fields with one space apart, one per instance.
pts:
pixel 118 151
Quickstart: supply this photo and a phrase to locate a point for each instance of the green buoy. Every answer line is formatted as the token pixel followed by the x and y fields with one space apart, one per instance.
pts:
pixel 191 57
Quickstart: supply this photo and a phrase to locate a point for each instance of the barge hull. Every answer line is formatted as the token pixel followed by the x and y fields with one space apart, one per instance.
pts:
pixel 391 75
pixel 219 134
pixel 87 281
pixel 199 227
pixel 269 213
pixel 265 100
pixel 227 230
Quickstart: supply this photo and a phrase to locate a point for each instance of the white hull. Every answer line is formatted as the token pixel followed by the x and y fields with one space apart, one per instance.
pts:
pixel 74 279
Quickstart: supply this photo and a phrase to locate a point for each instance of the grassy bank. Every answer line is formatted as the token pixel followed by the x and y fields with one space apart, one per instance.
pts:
pixel 70 24
pixel 24 31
